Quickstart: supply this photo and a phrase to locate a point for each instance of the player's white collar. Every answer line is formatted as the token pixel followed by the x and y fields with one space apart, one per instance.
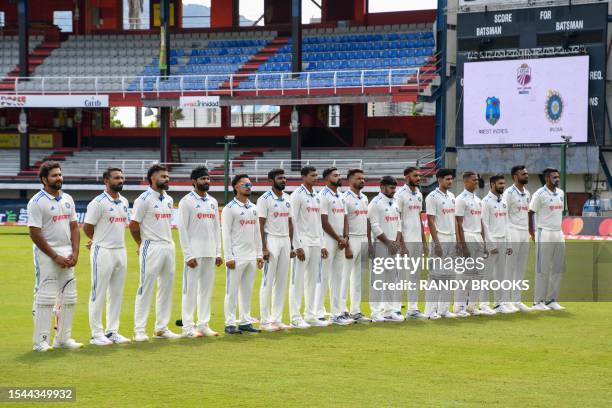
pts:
pixel 247 204
pixel 50 197
pixel 349 191
pixel 199 197
pixel 278 198
pixel 308 192
pixel 337 193
pixel 111 199
pixel 159 196
pixel 551 192
pixel 494 197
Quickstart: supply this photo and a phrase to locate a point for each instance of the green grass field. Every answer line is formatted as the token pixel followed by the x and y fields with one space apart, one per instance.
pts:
pixel 546 359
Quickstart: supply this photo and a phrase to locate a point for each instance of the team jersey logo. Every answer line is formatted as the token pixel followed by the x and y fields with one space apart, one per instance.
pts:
pixel 163 216
pixel 554 106
pixel 114 220
pixel 202 216
pixel 57 218
pixel 247 222
pixel 67 205
pixel 277 214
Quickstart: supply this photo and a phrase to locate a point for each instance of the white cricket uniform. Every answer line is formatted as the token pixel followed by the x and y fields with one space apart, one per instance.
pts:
pixel 410 204
pixel 308 235
pixel 518 217
pixel 332 268
pixel 550 243
pixel 242 244
pixel 53 216
pixel 153 211
pixel 384 216
pixel 495 223
pixel 357 216
pixel 108 256
pixel 469 206
pixel 200 236
pixel 277 212
pixel 442 207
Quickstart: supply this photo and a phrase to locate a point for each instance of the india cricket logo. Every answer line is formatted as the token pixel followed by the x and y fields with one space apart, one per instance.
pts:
pixel 493 112
pixel 554 106
pixel 523 74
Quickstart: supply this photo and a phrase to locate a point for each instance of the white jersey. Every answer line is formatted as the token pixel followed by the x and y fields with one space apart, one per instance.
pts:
pixel 518 207
pixel 357 213
pixel 153 211
pixel 306 217
pixel 495 218
pixel 276 210
pixel 241 237
pixel 53 216
pixel 469 206
pixel 199 226
pixel 109 218
pixel 384 217
pixel 442 206
pixel 332 205
pixel 548 208
pixel 410 204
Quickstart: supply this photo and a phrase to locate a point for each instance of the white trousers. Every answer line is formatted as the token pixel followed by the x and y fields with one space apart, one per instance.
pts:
pixel 274 281
pixel 384 302
pixel 469 297
pixel 415 250
pixel 496 270
pixel 197 292
pixel 517 262
pixel 55 287
pixel 438 300
pixel 239 291
pixel 550 264
pixel 352 274
pixel 304 275
pixel 108 271
pixel 332 271
pixel 157 263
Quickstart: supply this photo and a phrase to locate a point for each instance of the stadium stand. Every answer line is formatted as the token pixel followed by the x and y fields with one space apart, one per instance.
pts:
pixel 9 160
pixel 9 52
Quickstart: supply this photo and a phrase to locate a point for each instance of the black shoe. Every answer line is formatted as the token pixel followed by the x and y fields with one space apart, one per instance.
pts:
pixel 232 330
pixel 322 319
pixel 248 328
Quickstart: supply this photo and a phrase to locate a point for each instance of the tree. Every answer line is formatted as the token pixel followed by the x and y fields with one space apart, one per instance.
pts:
pixel 115 122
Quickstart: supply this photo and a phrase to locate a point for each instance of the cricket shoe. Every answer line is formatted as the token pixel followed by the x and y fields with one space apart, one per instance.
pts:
pixel 348 317
pixel 501 308
pixel 359 318
pixel 208 332
pixel 462 313
pixel 522 307
pixel 42 347
pixel 377 318
pixel 395 317
pixel 540 307
pixel 100 340
pixel 473 311
pixel 486 310
pixel 117 338
pixel 416 314
pixel 232 330
pixel 140 337
pixel 69 344
pixel 433 316
pixel 341 321
pixel 248 328
pixel 510 306
pixel 300 324
pixel 166 334
pixel 448 315
pixel 554 306
pixel 319 323
pixel 269 327
pixel 252 320
pixel 281 325
pixel 191 333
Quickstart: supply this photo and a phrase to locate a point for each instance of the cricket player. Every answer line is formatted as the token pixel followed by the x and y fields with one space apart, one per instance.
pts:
pixel 470 237
pixel 200 237
pixel 243 255
pixel 410 203
pixel 356 205
pixel 517 197
pixel 335 237
pixel 105 223
pixel 151 229
pixel 54 230
pixel 440 205
pixel 386 228
pixel 276 230
pixel 309 250
pixel 497 237
pixel 545 216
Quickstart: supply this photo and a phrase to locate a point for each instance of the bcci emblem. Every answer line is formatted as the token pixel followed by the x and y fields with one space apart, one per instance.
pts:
pixel 493 111
pixel 554 106
pixel 523 74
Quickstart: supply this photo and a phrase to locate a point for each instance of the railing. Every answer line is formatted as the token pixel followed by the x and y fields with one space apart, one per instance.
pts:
pixel 258 169
pixel 227 84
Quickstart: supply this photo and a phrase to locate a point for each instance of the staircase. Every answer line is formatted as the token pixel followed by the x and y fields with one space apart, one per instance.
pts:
pixel 58 155
pixel 35 58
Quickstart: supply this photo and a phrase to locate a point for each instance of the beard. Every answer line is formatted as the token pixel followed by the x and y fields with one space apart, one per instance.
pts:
pixel 411 184
pixel 499 191
pixel 337 183
pixel 55 186
pixel 117 188
pixel 163 186
pixel 279 187
pixel 389 196
pixel 203 187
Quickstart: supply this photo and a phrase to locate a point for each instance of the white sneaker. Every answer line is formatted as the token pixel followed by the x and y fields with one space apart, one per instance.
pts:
pixel 268 327
pixel 395 317
pixel 319 323
pixel 69 344
pixel 433 316
pixel 300 324
pixel 473 311
pixel 486 309
pixel 166 334
pixel 118 338
pixel 510 306
pixel 190 333
pixel 501 308
pixel 415 314
pixel 341 321
pixel 100 340
pixel 253 320
pixel 42 347
pixel 281 325
pixel 522 307
pixel 377 318
pixel 555 306
pixel 448 314
pixel 540 307
pixel 141 336
pixel 462 313
pixel 207 332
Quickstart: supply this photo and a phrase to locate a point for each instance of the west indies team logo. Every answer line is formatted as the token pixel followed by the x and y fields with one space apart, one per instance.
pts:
pixel 523 75
pixel 554 106
pixel 493 111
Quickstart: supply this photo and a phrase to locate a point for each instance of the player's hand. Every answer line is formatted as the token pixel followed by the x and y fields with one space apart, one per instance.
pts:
pixel 404 250
pixel 509 251
pixel 393 247
pixel 61 261
pixel 266 254
pixel 348 254
pixel 342 243
pixel 192 263
pixel 88 244
pixel 300 254
pixel 494 251
pixel 260 263
pixel 324 253
pixel 292 253
pixel 438 249
pixel 218 261
pixel 138 250
pixel 371 251
pixel 72 260
pixel 532 235
pixel 425 249
pixel 230 264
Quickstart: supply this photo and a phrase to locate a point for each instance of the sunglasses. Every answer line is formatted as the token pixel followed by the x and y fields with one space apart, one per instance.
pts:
pixel 247 185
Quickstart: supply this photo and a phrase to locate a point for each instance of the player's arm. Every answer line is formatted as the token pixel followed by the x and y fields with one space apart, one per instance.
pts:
pixel 328 228
pixel 259 245
pixel 374 216
pixel 261 212
pixel 137 216
pixel 533 209
pixel 91 220
pixel 184 219
pixel 295 204
pixel 41 243
pixel 75 240
pixel 226 228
